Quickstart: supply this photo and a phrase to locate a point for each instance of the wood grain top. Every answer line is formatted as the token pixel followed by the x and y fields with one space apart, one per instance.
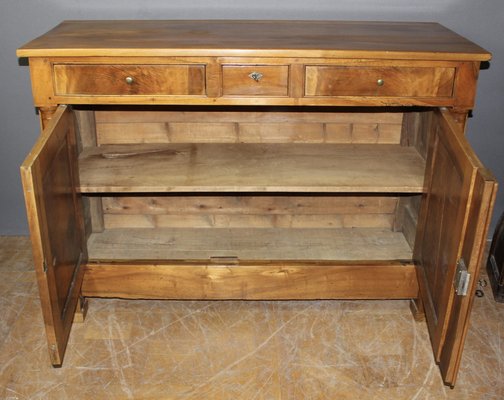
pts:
pixel 384 40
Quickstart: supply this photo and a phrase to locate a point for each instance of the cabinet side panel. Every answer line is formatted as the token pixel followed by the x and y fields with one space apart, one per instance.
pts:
pixel 42 82
pixel 416 129
pixel 465 85
pixel 86 137
pixel 406 217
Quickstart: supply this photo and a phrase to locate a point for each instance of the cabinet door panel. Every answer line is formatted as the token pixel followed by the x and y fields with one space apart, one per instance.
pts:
pixel 49 176
pixel 480 213
pixel 450 214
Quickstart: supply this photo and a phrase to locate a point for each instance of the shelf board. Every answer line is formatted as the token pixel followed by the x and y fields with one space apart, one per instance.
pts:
pixel 342 244
pixel 238 167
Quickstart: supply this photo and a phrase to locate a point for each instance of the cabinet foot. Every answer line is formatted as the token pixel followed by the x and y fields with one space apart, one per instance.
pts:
pixel 81 310
pixel 417 309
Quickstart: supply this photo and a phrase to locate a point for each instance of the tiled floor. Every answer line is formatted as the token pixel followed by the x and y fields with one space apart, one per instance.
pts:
pixel 236 350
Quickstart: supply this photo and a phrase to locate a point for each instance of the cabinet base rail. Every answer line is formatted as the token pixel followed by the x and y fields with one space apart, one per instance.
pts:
pixel 283 280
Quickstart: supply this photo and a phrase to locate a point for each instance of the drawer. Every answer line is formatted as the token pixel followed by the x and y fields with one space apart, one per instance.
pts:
pixel 255 80
pixel 379 81
pixel 142 80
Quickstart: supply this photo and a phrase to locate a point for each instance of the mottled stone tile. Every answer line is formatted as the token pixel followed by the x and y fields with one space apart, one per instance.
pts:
pixel 15 254
pixel 17 281
pixel 237 349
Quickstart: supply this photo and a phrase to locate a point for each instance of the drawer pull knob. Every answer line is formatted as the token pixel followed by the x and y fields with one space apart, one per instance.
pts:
pixel 256 76
pixel 129 80
pixel 380 82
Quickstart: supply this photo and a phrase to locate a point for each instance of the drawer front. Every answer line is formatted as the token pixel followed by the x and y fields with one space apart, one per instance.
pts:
pixel 379 81
pixel 255 80
pixel 140 80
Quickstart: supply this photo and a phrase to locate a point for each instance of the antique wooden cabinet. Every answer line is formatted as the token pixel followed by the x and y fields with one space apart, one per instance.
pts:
pixel 257 160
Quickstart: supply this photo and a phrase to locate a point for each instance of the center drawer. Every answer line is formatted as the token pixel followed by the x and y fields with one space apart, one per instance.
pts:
pixel 117 79
pixel 255 80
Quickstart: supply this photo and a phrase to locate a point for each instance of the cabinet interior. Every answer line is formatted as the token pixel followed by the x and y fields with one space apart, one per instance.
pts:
pixel 251 183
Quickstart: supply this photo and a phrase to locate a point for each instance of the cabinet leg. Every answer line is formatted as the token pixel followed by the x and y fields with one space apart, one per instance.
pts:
pixel 417 309
pixel 46 114
pixel 81 310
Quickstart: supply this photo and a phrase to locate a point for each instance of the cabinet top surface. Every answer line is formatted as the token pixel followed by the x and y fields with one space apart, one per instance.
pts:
pixel 342 39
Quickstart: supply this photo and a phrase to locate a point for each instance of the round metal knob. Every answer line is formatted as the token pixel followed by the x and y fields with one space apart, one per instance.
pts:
pixel 380 82
pixel 129 80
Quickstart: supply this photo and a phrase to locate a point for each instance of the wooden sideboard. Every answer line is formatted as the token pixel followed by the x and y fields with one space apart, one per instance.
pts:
pixel 257 160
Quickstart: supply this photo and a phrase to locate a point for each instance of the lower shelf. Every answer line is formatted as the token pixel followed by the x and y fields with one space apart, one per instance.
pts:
pixel 250 244
pixel 250 263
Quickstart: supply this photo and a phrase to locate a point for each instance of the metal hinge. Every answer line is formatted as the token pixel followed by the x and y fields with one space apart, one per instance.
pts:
pixel 44 264
pixel 462 278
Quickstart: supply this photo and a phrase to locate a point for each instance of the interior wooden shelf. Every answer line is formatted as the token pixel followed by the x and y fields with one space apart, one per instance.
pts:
pixel 238 167
pixel 342 244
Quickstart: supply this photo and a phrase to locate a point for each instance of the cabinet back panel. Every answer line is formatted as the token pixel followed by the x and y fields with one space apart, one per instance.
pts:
pixel 250 211
pixel 124 127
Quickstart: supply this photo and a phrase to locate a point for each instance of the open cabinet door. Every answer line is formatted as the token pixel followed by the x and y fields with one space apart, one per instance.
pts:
pixel 54 211
pixel 452 228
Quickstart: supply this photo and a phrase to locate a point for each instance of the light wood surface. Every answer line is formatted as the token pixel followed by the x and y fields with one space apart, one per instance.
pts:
pixel 263 115
pixel 248 244
pixel 244 221
pixel 265 38
pixel 249 211
pixel 254 125
pixel 251 281
pixel 213 167
pixel 250 204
